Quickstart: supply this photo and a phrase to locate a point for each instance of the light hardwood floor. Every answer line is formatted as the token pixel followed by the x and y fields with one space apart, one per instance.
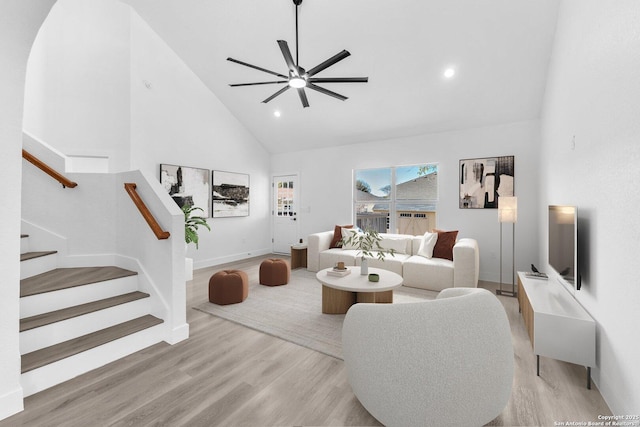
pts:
pixel 229 375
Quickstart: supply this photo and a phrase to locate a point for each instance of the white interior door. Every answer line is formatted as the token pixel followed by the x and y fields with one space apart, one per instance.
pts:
pixel 285 213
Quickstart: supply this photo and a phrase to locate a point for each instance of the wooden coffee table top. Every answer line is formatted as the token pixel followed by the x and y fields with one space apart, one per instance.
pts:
pixel 356 282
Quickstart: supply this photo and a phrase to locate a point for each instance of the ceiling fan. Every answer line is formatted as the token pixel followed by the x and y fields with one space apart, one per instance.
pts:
pixel 298 77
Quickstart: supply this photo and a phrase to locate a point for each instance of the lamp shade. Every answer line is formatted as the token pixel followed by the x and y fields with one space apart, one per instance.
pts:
pixel 508 209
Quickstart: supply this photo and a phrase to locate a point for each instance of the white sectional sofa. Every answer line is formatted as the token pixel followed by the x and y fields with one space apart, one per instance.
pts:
pixel 417 271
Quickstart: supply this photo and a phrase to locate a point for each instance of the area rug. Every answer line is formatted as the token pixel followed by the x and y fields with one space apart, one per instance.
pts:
pixel 294 312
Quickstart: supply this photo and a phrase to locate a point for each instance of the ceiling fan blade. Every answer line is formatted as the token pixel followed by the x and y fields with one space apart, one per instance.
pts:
pixel 257 68
pixel 284 47
pixel 258 83
pixel 281 91
pixel 303 97
pixel 328 63
pixel 339 79
pixel 326 91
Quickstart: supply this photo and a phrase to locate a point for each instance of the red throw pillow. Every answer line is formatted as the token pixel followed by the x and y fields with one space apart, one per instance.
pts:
pixel 337 236
pixel 444 244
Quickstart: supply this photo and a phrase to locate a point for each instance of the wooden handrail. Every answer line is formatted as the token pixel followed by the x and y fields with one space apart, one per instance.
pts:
pixel 146 214
pixel 48 170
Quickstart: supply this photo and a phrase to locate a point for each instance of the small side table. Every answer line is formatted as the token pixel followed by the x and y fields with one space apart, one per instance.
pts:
pixel 298 256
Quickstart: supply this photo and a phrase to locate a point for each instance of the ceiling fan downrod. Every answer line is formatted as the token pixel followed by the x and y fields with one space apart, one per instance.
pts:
pixel 297 3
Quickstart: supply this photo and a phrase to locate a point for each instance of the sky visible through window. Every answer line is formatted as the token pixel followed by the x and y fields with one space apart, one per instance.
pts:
pixel 378 179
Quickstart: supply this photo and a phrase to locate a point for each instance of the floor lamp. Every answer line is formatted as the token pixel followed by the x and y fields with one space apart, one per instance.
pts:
pixel 508 212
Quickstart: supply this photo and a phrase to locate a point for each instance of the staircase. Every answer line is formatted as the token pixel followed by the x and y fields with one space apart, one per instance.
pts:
pixel 73 320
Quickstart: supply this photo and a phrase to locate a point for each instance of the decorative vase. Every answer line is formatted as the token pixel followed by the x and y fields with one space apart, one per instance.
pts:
pixel 364 267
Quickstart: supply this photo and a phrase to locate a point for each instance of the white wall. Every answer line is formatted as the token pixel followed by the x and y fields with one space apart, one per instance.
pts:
pixel 593 94
pixel 77 90
pixel 176 119
pixel 326 183
pixel 19 23
pixel 162 261
pixel 101 82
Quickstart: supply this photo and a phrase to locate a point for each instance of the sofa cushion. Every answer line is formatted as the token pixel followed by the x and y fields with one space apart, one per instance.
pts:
pixel 427 244
pixel 416 241
pixel 331 257
pixel 346 234
pixel 336 242
pixel 391 263
pixel 398 244
pixel 444 244
pixel 434 274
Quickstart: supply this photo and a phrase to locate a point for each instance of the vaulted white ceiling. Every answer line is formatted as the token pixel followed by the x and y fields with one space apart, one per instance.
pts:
pixel 500 50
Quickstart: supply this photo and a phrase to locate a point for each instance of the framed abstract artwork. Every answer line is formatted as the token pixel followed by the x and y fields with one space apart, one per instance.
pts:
pixel 187 186
pixel 230 194
pixel 483 181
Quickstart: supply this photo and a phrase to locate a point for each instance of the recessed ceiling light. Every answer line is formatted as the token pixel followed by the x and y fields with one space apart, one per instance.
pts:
pixel 449 72
pixel 277 113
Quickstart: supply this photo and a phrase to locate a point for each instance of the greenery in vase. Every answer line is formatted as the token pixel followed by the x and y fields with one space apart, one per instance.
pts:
pixel 368 243
pixel 191 224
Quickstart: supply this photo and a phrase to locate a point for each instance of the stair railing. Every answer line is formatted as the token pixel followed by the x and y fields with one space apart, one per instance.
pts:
pixel 66 182
pixel 161 234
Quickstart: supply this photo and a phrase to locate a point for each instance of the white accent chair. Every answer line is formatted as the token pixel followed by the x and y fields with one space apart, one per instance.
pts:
pixel 446 362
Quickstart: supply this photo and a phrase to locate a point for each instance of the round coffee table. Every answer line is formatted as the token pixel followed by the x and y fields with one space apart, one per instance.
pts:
pixel 340 293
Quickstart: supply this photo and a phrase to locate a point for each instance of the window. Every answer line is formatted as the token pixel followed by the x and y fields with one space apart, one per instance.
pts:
pixel 396 199
pixel 285 199
pixel 372 195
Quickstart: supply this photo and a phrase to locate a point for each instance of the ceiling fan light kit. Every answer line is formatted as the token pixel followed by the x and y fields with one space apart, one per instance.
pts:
pixel 298 77
pixel 297 82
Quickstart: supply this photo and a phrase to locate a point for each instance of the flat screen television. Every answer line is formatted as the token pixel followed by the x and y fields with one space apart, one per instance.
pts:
pixel 563 244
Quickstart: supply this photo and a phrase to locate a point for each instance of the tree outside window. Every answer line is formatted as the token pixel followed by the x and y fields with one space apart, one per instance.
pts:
pixel 399 199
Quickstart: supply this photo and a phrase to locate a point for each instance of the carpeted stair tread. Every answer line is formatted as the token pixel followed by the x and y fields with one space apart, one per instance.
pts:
pixel 31 255
pixel 63 278
pixel 45 356
pixel 78 310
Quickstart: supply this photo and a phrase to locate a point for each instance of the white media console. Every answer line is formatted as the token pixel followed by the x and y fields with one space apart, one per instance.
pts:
pixel 558 326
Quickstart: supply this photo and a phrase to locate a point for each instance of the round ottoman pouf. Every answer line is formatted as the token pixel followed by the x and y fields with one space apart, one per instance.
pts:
pixel 274 272
pixel 228 287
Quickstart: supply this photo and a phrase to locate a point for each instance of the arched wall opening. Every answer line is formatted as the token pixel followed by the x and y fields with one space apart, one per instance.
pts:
pixel 20 22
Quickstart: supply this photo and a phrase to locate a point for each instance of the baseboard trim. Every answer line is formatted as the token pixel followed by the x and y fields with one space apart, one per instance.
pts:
pixel 11 403
pixel 211 262
pixel 177 334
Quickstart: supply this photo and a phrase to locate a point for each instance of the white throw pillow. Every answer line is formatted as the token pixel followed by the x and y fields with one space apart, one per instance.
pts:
pixel 346 233
pixel 427 244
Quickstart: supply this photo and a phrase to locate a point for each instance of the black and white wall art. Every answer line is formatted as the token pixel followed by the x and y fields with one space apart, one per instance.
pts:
pixel 483 181
pixel 230 194
pixel 187 186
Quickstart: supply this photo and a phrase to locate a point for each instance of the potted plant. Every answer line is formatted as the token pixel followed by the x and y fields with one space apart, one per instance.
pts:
pixel 191 224
pixel 368 244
